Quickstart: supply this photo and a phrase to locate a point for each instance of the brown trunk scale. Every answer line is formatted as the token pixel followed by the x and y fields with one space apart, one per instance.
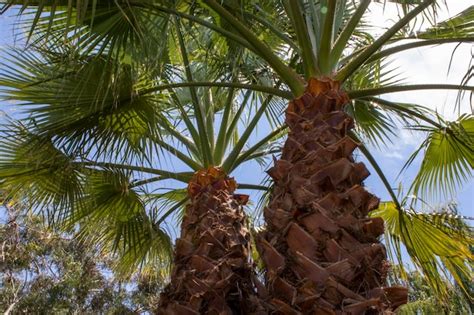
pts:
pixel 212 271
pixel 320 249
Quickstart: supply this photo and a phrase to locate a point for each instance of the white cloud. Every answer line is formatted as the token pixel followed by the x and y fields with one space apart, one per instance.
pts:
pixel 429 65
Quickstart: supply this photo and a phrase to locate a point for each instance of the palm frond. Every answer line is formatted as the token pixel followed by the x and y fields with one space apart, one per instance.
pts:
pixel 82 102
pixel 125 31
pixel 113 216
pixel 448 159
pixel 437 245
pixel 36 172
pixel 459 26
pixel 371 123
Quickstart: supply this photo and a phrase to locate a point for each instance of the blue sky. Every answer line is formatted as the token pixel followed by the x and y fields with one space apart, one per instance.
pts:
pixel 425 65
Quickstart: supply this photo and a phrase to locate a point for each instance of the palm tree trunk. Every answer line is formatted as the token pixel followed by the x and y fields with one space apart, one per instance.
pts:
pixel 320 249
pixel 212 272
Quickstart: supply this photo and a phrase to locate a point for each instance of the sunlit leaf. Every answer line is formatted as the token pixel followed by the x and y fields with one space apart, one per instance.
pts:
pixel 448 159
pixel 438 245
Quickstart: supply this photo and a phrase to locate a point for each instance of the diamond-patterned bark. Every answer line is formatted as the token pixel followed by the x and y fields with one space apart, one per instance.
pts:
pixel 320 249
pixel 212 270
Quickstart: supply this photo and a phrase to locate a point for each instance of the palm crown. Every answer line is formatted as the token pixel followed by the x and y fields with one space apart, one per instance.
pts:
pixel 111 90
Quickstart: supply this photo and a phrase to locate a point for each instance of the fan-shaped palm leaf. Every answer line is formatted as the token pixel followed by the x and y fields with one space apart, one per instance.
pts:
pixel 34 170
pixel 448 159
pixel 438 245
pixel 114 217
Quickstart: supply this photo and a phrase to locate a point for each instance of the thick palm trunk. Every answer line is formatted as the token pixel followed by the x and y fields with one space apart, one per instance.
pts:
pixel 320 249
pixel 212 271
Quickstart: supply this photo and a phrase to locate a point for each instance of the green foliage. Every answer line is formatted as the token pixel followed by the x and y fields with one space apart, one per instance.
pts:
pixel 121 99
pixel 422 299
pixel 32 168
pixel 44 272
pixel 438 243
pixel 81 100
pixel 448 160
pixel 459 26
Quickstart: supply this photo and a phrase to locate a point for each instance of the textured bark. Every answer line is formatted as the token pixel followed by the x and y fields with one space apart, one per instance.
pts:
pixel 320 249
pixel 212 270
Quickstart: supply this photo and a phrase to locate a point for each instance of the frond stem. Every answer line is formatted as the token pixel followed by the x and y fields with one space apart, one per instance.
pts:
pixel 405 88
pixel 254 87
pixel 377 169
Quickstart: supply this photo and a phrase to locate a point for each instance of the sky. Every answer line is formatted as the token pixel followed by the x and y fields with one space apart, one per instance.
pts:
pixel 425 65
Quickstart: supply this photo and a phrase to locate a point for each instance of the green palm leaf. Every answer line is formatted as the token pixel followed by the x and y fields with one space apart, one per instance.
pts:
pixel 32 169
pixel 372 124
pixel 437 244
pixel 83 101
pixel 113 216
pixel 459 26
pixel 448 159
pixel 119 29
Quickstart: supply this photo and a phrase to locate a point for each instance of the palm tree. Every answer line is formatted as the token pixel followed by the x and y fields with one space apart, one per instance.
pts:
pixel 320 248
pixel 333 69
pixel 95 144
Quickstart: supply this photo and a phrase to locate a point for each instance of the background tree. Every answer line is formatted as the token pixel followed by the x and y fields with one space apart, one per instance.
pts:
pixel 422 299
pixel 57 267
pixel 43 272
pixel 320 39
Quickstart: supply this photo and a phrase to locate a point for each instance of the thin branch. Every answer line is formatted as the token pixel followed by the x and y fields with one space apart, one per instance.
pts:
pixel 254 87
pixel 391 105
pixel 291 78
pixel 200 119
pixel 378 170
pixel 171 210
pixel 360 59
pixel 244 156
pixel 177 153
pixel 171 175
pixel 220 30
pixel 295 13
pixel 346 33
pixel 184 176
pixel 417 44
pixel 326 39
pixel 405 88
pixel 253 187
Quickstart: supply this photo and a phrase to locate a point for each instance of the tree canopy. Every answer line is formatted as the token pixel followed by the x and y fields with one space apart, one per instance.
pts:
pixel 123 101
